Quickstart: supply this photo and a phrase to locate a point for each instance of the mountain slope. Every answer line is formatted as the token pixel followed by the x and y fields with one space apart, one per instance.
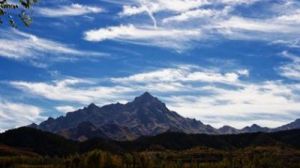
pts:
pixel 145 116
pixel 37 141
pixel 228 130
pixel 12 151
pixel 254 128
pixel 290 126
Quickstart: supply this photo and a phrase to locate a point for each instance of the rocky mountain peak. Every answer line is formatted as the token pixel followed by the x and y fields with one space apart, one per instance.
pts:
pixel 145 115
pixel 255 126
pixel 92 106
pixel 146 99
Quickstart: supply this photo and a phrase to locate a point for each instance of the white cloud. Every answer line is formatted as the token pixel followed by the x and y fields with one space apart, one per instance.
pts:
pixel 290 18
pixel 194 14
pixel 65 109
pixel 259 25
pixel 14 115
pixel 72 90
pixel 190 90
pixel 212 19
pixel 136 7
pixel 294 43
pixel 169 38
pixel 290 70
pixel 276 27
pixel 237 2
pixel 20 46
pixel 70 10
pixel 249 104
pixel 132 10
pixel 183 73
pixel 162 5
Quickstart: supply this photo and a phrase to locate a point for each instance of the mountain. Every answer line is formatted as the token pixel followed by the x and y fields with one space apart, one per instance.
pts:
pixel 290 126
pixel 228 130
pixel 254 128
pixel 82 132
pixel 144 116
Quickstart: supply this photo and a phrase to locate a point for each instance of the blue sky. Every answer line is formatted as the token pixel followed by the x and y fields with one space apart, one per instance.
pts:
pixel 224 62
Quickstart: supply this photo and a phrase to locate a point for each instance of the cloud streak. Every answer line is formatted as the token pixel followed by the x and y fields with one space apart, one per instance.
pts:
pixel 14 115
pixel 185 73
pixel 69 10
pixel 290 70
pixel 72 90
pixel 169 38
pixel 65 109
pixel 23 46
pixel 161 5
pixel 212 19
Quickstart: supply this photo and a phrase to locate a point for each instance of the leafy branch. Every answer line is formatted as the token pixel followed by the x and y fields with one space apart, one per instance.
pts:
pixel 8 10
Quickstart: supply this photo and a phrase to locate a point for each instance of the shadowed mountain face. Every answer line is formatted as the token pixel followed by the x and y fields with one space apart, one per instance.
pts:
pixel 249 129
pixel 290 126
pixel 228 130
pixel 145 116
pixel 254 128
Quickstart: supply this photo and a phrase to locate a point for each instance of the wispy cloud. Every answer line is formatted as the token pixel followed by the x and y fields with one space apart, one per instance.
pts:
pixel 293 43
pixel 23 46
pixel 228 105
pixel 65 109
pixel 188 89
pixel 194 14
pixel 72 90
pixel 69 10
pixel 169 38
pixel 14 115
pixel 290 70
pixel 184 73
pixel 212 19
pixel 161 5
pixel 136 7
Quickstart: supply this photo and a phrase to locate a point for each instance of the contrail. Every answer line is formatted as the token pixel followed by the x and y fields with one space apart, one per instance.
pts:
pixel 150 13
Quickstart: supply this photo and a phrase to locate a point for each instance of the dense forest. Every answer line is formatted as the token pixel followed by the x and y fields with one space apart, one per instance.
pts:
pixel 30 148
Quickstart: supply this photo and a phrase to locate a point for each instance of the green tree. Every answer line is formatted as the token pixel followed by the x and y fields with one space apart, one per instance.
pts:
pixel 9 11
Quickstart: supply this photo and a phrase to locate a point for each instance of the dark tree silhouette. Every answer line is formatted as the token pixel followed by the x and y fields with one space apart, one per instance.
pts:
pixel 9 11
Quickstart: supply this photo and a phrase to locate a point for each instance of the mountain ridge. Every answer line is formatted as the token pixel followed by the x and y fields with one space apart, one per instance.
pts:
pixel 146 115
